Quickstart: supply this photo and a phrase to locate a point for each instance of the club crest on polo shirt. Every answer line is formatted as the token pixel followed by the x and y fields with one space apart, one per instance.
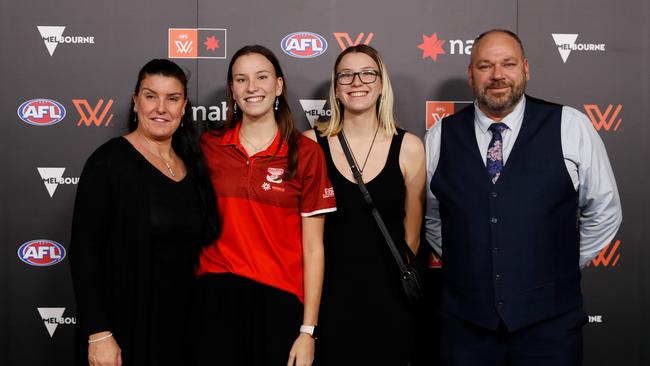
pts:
pixel 274 175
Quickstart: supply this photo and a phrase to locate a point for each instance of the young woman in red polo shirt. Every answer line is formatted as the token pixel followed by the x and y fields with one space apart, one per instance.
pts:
pixel 260 282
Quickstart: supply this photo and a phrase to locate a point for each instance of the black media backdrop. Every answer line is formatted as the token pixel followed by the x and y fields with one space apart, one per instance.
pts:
pixel 84 55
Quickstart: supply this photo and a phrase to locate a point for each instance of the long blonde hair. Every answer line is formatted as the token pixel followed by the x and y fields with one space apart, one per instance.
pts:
pixel 384 108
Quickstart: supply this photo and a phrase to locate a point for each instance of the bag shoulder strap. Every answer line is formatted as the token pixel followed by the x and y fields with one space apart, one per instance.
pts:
pixel 371 204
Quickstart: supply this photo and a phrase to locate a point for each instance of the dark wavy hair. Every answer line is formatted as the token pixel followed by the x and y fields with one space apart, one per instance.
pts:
pixel 283 116
pixel 185 142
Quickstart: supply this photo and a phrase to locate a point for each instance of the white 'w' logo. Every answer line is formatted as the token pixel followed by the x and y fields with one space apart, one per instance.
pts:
pixel 183 47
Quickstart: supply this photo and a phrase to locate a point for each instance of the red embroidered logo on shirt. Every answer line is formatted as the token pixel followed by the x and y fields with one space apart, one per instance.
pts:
pixel 274 175
pixel 328 192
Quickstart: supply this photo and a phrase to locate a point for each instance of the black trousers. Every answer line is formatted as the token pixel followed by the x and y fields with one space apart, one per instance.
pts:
pixel 240 322
pixel 556 342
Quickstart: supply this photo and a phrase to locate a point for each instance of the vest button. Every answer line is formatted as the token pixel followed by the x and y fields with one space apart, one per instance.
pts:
pixel 495 250
pixel 497 276
pixel 500 304
pixel 494 220
pixel 493 195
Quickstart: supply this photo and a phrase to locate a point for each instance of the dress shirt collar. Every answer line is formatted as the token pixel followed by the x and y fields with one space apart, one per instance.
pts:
pixel 513 120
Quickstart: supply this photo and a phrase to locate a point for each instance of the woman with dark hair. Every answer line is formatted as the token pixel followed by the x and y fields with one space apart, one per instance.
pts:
pixel 143 210
pixel 260 281
pixel 365 317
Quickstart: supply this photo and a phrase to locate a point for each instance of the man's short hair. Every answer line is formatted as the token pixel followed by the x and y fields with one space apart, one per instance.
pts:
pixel 500 30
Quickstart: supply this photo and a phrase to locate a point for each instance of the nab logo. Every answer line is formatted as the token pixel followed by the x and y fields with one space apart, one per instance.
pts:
pixel 566 43
pixel 93 115
pixel 608 257
pixel 41 112
pixel 197 43
pixel 52 177
pixel 607 120
pixel 213 113
pixel 314 109
pixel 41 253
pixel 432 46
pixel 344 40
pixel 52 317
pixel 304 45
pixel 436 111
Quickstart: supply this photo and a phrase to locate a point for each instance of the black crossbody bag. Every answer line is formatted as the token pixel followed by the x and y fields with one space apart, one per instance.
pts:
pixel 410 278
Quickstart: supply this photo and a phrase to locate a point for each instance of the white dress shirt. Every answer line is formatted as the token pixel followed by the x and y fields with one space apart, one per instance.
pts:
pixel 585 159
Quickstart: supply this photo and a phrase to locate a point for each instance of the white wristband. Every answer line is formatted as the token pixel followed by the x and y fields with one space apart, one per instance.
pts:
pixel 100 338
pixel 309 329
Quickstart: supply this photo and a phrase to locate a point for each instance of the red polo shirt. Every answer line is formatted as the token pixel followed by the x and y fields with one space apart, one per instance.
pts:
pixel 261 213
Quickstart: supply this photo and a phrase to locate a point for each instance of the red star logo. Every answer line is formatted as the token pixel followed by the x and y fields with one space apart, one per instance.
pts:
pixel 431 47
pixel 211 43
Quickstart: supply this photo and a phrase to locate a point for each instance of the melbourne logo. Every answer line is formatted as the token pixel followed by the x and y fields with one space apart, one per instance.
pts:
pixel 344 40
pixel 53 36
pixel 41 252
pixel 608 257
pixel 41 112
pixel 432 46
pixel 598 319
pixel 53 317
pixel 197 43
pixel 52 177
pixel 436 111
pixel 304 45
pixel 607 120
pixel 93 115
pixel 314 109
pixel 566 43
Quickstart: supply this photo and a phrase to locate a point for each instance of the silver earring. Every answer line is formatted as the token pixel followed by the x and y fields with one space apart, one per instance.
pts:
pixel 234 108
pixel 277 103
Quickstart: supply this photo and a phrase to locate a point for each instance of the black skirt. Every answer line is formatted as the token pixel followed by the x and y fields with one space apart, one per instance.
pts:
pixel 239 322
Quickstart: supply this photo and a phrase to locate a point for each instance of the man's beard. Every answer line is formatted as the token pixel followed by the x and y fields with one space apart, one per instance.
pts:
pixel 497 106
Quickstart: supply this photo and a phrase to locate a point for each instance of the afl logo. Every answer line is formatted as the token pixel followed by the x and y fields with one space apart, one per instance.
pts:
pixel 41 112
pixel 304 45
pixel 41 252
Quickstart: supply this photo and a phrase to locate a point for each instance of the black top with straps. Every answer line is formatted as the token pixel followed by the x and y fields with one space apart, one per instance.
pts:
pixel 361 286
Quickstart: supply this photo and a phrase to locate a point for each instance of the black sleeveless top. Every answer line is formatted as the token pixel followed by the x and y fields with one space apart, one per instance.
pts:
pixel 361 286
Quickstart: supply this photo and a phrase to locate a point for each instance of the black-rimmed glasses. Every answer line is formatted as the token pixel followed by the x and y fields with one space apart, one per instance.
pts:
pixel 366 77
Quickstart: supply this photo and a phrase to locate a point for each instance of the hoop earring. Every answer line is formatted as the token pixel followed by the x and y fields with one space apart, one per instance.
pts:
pixel 277 103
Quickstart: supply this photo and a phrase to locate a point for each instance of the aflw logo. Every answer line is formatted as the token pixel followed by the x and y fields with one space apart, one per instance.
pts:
pixel 607 120
pixel 184 46
pixel 344 40
pixel 93 115
pixel 608 257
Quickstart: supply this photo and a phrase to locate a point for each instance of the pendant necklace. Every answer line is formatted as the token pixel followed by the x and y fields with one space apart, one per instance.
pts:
pixel 258 149
pixel 169 167
pixel 361 168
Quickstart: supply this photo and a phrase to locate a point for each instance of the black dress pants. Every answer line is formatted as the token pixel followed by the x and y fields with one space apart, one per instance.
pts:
pixel 556 341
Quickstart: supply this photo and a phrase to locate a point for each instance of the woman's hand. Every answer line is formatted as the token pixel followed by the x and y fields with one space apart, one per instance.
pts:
pixel 105 352
pixel 302 351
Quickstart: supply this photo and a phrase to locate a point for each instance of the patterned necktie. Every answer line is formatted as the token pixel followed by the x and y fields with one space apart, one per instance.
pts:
pixel 494 161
